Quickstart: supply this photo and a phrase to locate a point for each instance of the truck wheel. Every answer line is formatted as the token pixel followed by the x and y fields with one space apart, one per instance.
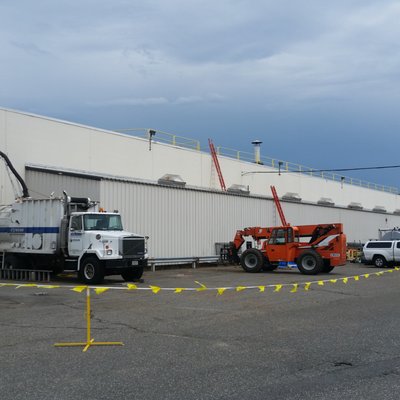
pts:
pixel 379 261
pixel 12 262
pixel 91 271
pixel 252 260
pixel 268 266
pixel 327 267
pixel 310 263
pixel 132 275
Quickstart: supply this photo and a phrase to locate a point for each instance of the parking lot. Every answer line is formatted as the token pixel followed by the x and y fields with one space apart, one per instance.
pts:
pixel 337 340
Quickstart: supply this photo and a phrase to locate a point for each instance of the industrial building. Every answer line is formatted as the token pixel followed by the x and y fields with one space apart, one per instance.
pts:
pixel 168 188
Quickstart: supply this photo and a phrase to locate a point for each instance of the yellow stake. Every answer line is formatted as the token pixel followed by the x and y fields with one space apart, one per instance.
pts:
pixel 89 341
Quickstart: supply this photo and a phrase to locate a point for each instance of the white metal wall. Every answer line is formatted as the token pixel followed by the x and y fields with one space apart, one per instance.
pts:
pixel 42 184
pixel 182 222
pixel 30 139
pixel 359 226
pixel 188 222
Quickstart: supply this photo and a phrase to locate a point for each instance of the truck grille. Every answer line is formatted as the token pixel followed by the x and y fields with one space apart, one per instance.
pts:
pixel 133 247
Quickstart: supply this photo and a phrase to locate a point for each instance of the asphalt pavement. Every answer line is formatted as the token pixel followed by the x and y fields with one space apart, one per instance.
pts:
pixel 335 341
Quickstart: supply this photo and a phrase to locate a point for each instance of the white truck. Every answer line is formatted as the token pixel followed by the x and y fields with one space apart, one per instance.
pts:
pixel 381 252
pixel 68 233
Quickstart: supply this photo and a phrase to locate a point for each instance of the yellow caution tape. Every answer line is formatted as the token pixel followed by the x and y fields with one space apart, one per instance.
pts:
pixel 131 286
pixel 202 287
pixel 79 289
pixel 220 290
pixel 100 290
pixel 278 288
pixel 155 289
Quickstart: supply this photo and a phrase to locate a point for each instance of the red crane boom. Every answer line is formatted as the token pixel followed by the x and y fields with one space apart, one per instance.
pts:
pixel 278 206
pixel 216 163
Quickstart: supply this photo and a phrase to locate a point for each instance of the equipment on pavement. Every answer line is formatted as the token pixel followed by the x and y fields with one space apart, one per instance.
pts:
pixel 314 248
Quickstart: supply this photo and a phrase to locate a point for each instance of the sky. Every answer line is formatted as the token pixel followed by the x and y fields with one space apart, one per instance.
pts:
pixel 317 81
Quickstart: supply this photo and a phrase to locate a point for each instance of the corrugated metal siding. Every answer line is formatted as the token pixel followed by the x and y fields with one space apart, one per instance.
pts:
pixel 358 225
pixel 183 223
pixel 42 184
pixel 188 223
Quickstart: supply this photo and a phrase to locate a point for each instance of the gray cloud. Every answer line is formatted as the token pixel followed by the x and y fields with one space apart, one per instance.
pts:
pixel 231 61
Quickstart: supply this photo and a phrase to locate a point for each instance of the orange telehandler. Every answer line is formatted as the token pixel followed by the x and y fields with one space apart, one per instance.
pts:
pixel 314 248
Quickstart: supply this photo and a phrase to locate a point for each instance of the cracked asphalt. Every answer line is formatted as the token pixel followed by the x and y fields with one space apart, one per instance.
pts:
pixel 337 341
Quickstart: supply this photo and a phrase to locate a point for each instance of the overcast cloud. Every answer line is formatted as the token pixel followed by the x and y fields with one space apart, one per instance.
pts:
pixel 323 74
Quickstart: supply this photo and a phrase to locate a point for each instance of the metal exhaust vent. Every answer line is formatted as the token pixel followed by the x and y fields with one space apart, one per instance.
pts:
pixel 355 206
pixel 326 201
pixel 381 209
pixel 291 196
pixel 171 180
pixel 239 189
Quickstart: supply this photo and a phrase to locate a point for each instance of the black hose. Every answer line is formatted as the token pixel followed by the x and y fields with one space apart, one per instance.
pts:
pixel 25 192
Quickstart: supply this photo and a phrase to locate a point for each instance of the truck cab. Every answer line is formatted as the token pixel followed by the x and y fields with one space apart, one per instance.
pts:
pixel 100 237
pixel 281 244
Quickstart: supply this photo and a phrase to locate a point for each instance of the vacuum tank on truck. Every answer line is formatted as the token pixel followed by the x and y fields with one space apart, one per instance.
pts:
pixel 68 233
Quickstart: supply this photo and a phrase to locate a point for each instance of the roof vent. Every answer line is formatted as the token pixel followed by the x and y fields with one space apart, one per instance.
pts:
pixel 397 211
pixel 171 180
pixel 239 189
pixel 355 206
pixel 291 196
pixel 326 201
pixel 381 209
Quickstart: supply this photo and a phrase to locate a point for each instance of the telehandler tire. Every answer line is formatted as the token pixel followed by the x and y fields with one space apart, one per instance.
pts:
pixel 268 266
pixel 91 271
pixel 327 267
pixel 310 263
pixel 252 260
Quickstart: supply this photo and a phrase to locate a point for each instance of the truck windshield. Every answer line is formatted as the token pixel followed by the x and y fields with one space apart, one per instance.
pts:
pixel 102 222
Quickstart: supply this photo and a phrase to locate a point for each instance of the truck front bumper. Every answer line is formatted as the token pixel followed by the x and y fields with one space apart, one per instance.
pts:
pixel 123 264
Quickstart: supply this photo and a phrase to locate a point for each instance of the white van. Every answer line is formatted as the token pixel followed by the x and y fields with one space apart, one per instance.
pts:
pixel 382 252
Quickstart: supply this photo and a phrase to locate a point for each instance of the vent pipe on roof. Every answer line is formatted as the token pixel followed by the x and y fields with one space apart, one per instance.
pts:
pixel 257 147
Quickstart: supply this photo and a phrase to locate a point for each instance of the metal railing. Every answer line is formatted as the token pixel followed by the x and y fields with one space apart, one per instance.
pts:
pixel 176 140
pixel 298 168
pixel 171 262
pixel 25 275
pixel 163 137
